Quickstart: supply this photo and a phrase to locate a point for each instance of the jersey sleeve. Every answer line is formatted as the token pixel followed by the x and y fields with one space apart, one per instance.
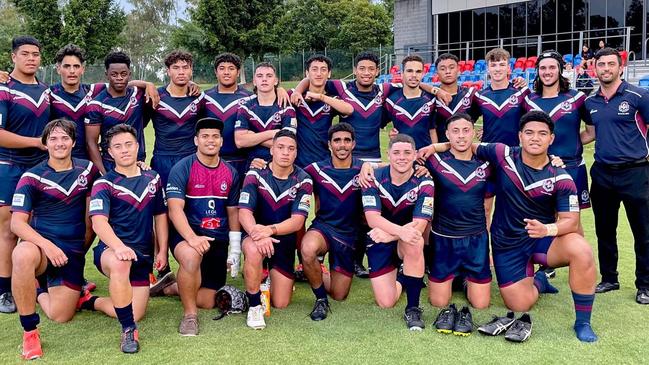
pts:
pixel 100 198
pixel 233 195
pixel 248 195
pixel 289 119
pixel 177 182
pixel 302 202
pixel 566 194
pixel 242 119
pixel 424 205
pixel 95 89
pixel 643 108
pixel 5 98
pixel 475 111
pixel 94 113
pixel 584 114
pixel 492 152
pixel 334 88
pixel 371 199
pixel 160 199
pixel 92 176
pixel 24 196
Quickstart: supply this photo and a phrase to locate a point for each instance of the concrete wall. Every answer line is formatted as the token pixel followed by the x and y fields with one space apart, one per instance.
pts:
pixel 446 6
pixel 412 24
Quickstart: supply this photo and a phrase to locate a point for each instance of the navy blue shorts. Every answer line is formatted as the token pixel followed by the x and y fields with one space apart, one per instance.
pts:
pixel 10 173
pixel 284 258
pixel 580 177
pixel 163 164
pixel 382 258
pixel 239 164
pixel 340 248
pixel 460 256
pixel 515 264
pixel 213 264
pixel 140 269
pixel 70 274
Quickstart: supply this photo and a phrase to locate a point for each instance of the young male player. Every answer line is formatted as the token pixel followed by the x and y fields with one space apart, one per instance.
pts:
pixel 24 111
pixel 123 206
pixel 398 207
pixel 49 215
pixel 203 193
pixel 273 206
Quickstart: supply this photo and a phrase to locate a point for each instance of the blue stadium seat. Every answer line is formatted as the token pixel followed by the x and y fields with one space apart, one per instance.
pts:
pixel 426 79
pixel 567 58
pixel 644 82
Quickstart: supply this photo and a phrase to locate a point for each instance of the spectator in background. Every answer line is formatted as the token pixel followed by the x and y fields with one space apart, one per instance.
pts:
pixel 602 45
pixel 586 55
pixel 584 82
pixel 569 73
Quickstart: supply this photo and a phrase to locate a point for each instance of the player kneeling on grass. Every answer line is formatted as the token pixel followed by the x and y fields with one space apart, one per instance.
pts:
pixel 49 215
pixel 273 206
pixel 536 220
pixel 398 205
pixel 123 205
pixel 203 194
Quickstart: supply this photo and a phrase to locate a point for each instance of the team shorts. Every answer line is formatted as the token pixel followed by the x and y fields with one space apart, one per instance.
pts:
pixel 213 264
pixel 10 173
pixel 339 246
pixel 70 274
pixel 140 269
pixel 515 264
pixel 382 258
pixel 459 256
pixel 163 164
pixel 580 177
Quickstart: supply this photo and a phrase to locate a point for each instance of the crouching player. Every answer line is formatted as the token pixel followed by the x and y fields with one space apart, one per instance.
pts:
pixel 203 193
pixel 398 206
pixel 123 205
pixel 273 206
pixel 49 215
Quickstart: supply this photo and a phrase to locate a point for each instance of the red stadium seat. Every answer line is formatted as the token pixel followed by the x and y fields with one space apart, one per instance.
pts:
pixel 426 68
pixel 625 56
pixel 531 62
pixel 467 84
pixel 479 84
pixel 470 64
pixel 394 69
pixel 397 78
pixel 520 63
pixel 435 78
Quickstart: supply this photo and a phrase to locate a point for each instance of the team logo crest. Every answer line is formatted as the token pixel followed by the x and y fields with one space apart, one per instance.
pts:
pixel 82 181
pixel 292 192
pixel 513 100
pixel 326 108
pixel 133 100
pixel 224 186
pixel 548 185
pixel 378 99
pixel 193 108
pixel 152 188
pixel 241 101
pixel 585 196
pixel 425 109
pixel 412 195
pixel 566 106
pixel 480 173
pixel 277 117
pixel 466 101
pixel 624 107
pixel 356 181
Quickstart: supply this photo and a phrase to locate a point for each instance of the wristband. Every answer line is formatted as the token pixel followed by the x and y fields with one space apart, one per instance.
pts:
pixel 552 229
pixel 435 90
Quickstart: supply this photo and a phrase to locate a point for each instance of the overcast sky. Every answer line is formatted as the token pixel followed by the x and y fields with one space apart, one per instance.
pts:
pixel 181 4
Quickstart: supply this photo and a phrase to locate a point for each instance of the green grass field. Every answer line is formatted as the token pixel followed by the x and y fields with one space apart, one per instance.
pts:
pixel 357 331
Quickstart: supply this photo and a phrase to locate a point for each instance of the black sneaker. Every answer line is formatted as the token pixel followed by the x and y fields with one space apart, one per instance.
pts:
pixel 520 330
pixel 497 325
pixel 463 322
pixel 550 273
pixel 605 286
pixel 642 297
pixel 157 289
pixel 320 310
pixel 7 303
pixel 413 319
pixel 360 271
pixel 445 321
pixel 130 341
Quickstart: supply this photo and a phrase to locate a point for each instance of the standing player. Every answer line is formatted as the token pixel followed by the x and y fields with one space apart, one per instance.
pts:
pixel 334 228
pixel 398 207
pixel 273 206
pixel 123 206
pixel 203 193
pixel 49 216
pixel 24 111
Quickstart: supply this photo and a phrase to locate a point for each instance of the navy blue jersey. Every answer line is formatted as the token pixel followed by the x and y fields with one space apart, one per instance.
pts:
pixel 57 201
pixel 567 110
pixel 412 116
pixel 224 106
pixel 130 203
pixel 367 118
pixel 274 200
pixel 107 111
pixel 460 189
pixel 207 192
pixel 258 118
pixel 174 123
pixel 313 121
pixel 501 113
pixel 24 110
pixel 524 192
pixel 620 124
pixel 462 102
pixel 338 194
pixel 72 106
pixel 399 204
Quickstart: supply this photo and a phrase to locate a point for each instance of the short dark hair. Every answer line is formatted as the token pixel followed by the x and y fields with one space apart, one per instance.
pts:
pixel 120 129
pixel 179 55
pixel 369 56
pixel 23 40
pixel 536 116
pixel 402 138
pixel 285 132
pixel 411 58
pixel 69 50
pixel 117 57
pixel 265 64
pixel 227 58
pixel 319 58
pixel 341 127
pixel 608 51
pixel 70 128
pixel 446 56
pixel 459 116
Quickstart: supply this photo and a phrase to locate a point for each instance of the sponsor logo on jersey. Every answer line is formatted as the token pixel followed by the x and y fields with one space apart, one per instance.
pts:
pixel 369 201
pixel 18 200
pixel 96 204
pixel 244 198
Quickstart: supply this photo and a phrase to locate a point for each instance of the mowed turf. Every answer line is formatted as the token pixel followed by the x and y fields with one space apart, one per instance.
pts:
pixel 356 332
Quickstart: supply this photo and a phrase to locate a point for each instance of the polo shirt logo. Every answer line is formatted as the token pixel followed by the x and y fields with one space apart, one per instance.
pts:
pixel 624 107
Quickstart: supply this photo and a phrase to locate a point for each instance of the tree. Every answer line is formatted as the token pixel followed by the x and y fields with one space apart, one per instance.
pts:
pixel 43 21
pixel 365 25
pixel 11 24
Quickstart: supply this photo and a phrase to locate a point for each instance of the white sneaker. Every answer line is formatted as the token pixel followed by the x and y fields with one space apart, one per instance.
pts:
pixel 256 318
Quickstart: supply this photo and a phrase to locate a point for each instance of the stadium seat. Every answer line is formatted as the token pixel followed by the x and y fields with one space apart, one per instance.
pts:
pixel 435 78
pixel 576 61
pixel 644 82
pixel 461 65
pixel 394 69
pixel 467 84
pixel 397 78
pixel 520 63
pixel 480 66
pixel 470 64
pixel 531 62
pixel 567 58
pixel 432 69
pixel 479 84
pixel 426 68
pixel 624 55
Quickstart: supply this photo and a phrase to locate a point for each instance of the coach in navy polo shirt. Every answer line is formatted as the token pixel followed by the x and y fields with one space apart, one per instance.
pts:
pixel 619 112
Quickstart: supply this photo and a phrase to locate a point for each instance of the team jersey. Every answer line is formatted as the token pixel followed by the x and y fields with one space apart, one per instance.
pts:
pixel 412 116
pixel 130 203
pixel 313 121
pixel 274 200
pixel 57 201
pixel 224 106
pixel 462 102
pixel 524 193
pixel 338 194
pixel 72 106
pixel 460 189
pixel 207 192
pixel 24 110
pixel 567 110
pixel 399 204
pixel 620 124
pixel 107 111
pixel 367 118
pixel 501 113
pixel 259 118
pixel 174 123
